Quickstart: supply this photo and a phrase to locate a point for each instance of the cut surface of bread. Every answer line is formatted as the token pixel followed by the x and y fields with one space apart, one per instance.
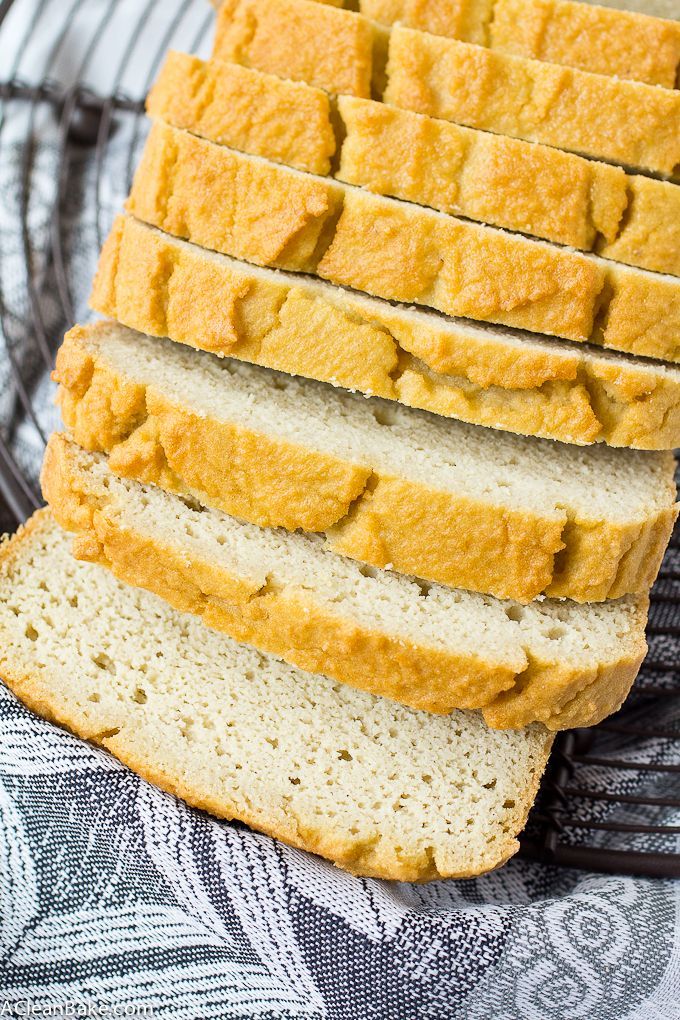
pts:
pixel 603 41
pixel 454 169
pixel 162 286
pixel 621 121
pixel 273 215
pixel 277 216
pixel 427 646
pixel 376 787
pixel 390 485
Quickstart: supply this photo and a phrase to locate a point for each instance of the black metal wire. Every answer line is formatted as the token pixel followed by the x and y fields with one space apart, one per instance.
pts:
pixel 577 806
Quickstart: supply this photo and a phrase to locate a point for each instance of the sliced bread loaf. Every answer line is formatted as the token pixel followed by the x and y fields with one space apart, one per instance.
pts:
pixel 162 286
pixel 276 216
pixel 378 788
pixel 458 170
pixel 621 121
pixel 429 647
pixel 611 42
pixel 392 486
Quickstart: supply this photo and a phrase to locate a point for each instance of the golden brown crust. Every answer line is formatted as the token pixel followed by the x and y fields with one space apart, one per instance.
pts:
pixel 650 234
pixel 369 515
pixel 286 121
pixel 389 249
pixel 194 188
pixel 485 177
pixel 569 394
pixel 298 39
pixel 364 856
pixel 622 44
pixel 316 637
pixel 153 440
pixel 621 121
pixel 274 217
pixel 640 312
pixel 481 176
pixel 459 19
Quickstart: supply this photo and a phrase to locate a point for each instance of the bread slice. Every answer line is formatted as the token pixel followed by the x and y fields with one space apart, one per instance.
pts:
pixel 609 42
pixel 276 216
pixel 376 787
pixel 483 375
pixel 429 647
pixel 621 121
pixel 458 19
pixel 287 121
pixel 299 39
pixel 458 170
pixel 392 486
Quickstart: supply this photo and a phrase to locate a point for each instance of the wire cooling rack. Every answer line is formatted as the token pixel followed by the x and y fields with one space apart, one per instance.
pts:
pixel 610 799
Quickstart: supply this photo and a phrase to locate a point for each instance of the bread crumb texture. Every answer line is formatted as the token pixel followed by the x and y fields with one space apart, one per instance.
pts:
pixel 427 646
pixel 376 787
pixel 270 215
pixel 389 485
pixel 160 285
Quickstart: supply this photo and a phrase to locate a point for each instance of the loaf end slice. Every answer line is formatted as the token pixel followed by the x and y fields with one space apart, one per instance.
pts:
pixel 375 787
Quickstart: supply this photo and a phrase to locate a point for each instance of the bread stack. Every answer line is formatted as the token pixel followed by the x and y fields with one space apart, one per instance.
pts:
pixel 374 438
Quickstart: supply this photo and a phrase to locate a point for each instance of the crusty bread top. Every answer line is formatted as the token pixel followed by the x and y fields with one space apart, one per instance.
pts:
pixel 627 122
pixel 284 120
pixel 376 787
pixel 507 470
pixel 277 216
pixel 273 215
pixel 459 170
pixel 299 39
pixel 622 121
pixel 602 41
